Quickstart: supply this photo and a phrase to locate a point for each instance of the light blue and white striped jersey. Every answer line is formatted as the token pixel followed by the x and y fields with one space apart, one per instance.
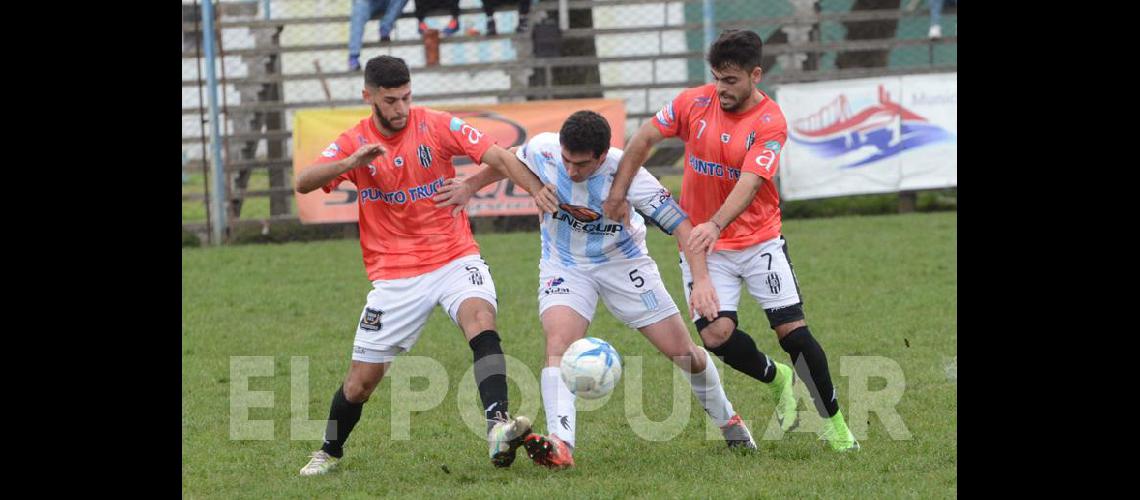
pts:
pixel 579 234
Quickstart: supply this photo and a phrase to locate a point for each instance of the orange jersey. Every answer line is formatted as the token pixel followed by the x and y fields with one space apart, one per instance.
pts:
pixel 402 232
pixel 719 146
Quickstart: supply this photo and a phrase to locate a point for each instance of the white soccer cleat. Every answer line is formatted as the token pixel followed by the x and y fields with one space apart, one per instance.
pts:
pixel 321 463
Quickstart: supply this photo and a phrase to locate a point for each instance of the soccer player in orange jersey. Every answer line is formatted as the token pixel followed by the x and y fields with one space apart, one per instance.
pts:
pixel 733 135
pixel 417 254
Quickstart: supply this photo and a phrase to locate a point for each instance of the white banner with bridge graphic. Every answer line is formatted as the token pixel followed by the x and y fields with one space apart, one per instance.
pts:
pixel 872 135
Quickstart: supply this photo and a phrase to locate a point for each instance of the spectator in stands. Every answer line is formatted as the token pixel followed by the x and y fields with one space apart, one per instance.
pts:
pixel 425 6
pixel 364 10
pixel 936 17
pixel 489 9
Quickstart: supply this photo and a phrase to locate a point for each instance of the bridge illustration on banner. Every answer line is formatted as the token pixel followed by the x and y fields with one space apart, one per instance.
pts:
pixel 886 128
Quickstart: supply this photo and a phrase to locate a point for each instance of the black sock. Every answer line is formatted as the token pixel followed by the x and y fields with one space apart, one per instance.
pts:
pixel 343 416
pixel 812 370
pixel 740 352
pixel 490 376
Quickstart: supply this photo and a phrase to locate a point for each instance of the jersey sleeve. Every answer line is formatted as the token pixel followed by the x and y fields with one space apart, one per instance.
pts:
pixel 459 138
pixel 341 148
pixel 763 158
pixel 655 202
pixel 672 120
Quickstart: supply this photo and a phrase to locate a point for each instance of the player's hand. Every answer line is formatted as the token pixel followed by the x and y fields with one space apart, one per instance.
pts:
pixel 454 192
pixel 547 199
pixel 703 300
pixel 704 237
pixel 368 152
pixel 616 209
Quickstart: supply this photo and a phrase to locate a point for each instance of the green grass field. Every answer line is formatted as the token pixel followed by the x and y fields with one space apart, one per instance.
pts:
pixel 873 286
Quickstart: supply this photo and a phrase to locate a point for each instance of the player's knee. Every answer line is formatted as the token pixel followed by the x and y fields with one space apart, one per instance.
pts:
pixel 717 332
pixel 481 319
pixel 786 319
pixel 782 330
pixel 357 391
pixel 698 361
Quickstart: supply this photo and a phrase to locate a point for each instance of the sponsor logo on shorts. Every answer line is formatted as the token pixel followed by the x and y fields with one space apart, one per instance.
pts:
pixel 552 287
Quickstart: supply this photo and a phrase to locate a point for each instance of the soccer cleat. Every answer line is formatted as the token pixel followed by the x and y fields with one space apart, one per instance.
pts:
pixel 736 434
pixel 836 433
pixel 549 451
pixel 354 63
pixel 321 463
pixel 935 32
pixel 505 437
pixel 781 388
pixel 422 28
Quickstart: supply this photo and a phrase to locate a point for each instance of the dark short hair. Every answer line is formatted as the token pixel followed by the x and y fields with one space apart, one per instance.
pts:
pixel 386 71
pixel 739 48
pixel 585 131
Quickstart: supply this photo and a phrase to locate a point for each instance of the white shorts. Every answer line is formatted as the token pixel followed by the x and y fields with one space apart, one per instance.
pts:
pixel 397 309
pixel 631 289
pixel 765 268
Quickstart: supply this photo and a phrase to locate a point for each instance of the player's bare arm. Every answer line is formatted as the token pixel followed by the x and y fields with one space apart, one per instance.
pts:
pixel 616 207
pixel 315 176
pixel 459 191
pixel 702 298
pixel 507 164
pixel 738 200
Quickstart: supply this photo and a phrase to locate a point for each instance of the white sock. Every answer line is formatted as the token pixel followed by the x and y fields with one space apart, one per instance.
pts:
pixel 558 402
pixel 707 388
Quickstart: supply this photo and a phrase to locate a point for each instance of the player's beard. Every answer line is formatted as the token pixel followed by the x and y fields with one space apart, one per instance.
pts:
pixel 737 102
pixel 384 121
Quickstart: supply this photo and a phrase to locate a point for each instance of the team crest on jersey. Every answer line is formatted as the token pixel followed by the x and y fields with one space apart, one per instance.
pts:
pixel 750 141
pixel 372 170
pixel 548 155
pixel 725 138
pixel 399 161
pixel 584 214
pixel 702 101
pixel 766 118
pixel 424 152
pixel 360 140
pixel 331 151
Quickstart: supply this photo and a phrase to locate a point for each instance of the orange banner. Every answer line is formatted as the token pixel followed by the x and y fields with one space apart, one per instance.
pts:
pixel 509 124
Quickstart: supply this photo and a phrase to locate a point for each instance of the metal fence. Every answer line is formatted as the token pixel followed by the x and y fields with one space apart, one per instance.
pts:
pixel 272 57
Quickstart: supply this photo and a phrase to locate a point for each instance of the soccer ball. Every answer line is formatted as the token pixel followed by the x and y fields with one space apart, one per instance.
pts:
pixel 591 368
